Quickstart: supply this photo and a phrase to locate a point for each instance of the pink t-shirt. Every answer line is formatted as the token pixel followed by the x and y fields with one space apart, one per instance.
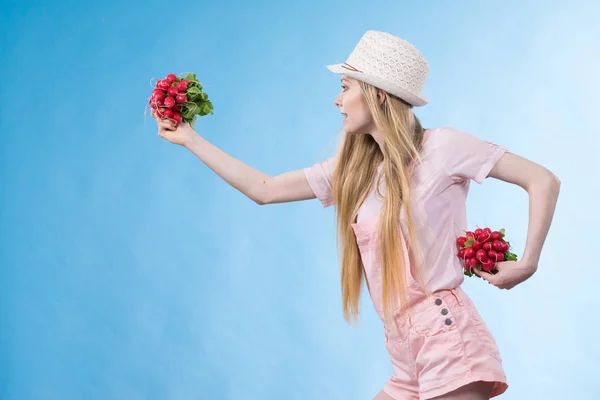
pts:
pixel 450 159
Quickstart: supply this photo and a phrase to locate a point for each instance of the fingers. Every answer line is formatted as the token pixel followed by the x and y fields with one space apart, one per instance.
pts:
pixel 165 123
pixel 493 279
pixel 500 265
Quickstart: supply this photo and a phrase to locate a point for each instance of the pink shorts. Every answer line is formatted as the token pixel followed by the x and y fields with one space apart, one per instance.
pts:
pixel 440 345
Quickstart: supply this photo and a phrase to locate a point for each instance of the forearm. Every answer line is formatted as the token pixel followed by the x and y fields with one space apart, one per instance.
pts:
pixel 247 180
pixel 543 195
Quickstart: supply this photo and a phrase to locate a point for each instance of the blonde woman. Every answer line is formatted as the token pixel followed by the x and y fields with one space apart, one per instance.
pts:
pixel 399 192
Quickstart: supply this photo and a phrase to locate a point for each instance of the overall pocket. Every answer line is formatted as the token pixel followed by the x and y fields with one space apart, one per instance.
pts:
pixel 485 336
pixel 435 319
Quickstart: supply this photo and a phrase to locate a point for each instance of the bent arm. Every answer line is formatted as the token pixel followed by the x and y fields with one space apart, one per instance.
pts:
pixel 257 186
pixel 543 188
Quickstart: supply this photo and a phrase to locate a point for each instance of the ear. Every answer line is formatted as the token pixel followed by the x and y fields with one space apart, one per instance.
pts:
pixel 381 96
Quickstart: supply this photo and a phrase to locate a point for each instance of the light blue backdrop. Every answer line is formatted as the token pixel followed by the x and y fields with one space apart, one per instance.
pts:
pixel 128 270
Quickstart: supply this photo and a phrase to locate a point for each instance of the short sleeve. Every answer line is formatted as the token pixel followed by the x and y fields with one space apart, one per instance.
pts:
pixel 319 178
pixel 469 157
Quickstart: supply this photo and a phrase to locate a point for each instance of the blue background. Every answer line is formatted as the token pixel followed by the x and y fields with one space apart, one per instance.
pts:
pixel 128 270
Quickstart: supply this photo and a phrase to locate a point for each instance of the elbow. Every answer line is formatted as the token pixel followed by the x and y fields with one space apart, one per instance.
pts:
pixel 259 198
pixel 260 195
pixel 553 182
pixel 260 202
pixel 548 182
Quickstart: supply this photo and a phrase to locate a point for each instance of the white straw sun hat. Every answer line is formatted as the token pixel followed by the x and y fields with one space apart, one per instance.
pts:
pixel 388 63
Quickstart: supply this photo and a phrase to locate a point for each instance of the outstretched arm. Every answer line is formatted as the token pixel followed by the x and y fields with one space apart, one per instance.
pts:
pixel 261 188
pixel 257 186
pixel 543 188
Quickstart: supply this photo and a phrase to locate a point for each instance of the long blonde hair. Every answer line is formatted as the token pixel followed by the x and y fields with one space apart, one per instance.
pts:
pixel 358 158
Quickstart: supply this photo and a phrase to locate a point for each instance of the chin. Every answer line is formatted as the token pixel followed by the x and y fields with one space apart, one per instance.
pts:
pixel 350 130
pixel 354 132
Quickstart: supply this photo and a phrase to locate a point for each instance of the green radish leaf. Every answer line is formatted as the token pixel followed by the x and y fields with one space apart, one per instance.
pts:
pixel 204 96
pixel 469 242
pixel 193 93
pixel 193 108
pixel 502 231
pixel 206 109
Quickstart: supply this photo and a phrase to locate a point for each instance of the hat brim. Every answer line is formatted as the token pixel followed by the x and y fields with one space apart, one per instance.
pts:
pixel 414 99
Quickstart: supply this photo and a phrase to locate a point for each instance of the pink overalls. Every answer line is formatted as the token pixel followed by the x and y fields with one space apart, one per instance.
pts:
pixel 441 343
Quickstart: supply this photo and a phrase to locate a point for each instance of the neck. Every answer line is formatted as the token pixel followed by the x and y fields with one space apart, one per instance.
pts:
pixel 378 137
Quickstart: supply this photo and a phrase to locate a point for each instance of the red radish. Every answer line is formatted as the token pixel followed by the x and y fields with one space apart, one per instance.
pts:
pixel 469 252
pixel 484 237
pixel 477 245
pixel 158 93
pixel 492 254
pixel 461 254
pixel 181 98
pixel 164 85
pixel 184 82
pixel 500 257
pixel 497 245
pixel 156 98
pixel 171 78
pixel 488 230
pixel 181 86
pixel 487 265
pixel 481 255
pixel 461 241
pixel 487 246
pixel 472 263
pixel 169 101
pixel 173 91
pixel 160 103
pixel 160 112
pixel 505 247
pixel 177 117
pixel 470 234
pixel 496 236
pixel 168 113
pixel 478 232
pixel 176 108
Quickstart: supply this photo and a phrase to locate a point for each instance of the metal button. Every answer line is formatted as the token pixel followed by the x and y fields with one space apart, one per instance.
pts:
pixel 444 311
pixel 448 321
pixel 438 301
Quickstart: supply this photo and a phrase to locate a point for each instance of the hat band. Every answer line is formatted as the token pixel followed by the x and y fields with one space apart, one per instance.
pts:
pixel 350 67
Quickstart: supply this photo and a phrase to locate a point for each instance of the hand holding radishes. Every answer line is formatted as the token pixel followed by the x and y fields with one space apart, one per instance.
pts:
pixel 181 134
pixel 509 274
pixel 179 99
pixel 486 253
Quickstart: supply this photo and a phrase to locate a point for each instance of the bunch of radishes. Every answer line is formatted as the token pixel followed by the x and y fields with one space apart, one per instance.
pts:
pixel 180 99
pixel 483 249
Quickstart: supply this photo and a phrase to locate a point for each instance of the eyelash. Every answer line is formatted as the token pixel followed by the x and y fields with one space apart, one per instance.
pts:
pixel 343 87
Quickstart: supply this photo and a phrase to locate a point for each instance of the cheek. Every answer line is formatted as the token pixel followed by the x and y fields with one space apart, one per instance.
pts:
pixel 355 107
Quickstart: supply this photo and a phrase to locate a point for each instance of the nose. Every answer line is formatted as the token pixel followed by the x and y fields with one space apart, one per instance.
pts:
pixel 338 100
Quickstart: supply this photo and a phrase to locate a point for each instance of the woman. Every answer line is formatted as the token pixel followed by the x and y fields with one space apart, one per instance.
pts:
pixel 400 192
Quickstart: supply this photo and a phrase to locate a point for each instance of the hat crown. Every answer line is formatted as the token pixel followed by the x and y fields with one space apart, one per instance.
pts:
pixel 391 59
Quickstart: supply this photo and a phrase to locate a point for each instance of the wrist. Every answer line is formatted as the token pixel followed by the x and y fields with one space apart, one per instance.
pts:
pixel 530 261
pixel 190 140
